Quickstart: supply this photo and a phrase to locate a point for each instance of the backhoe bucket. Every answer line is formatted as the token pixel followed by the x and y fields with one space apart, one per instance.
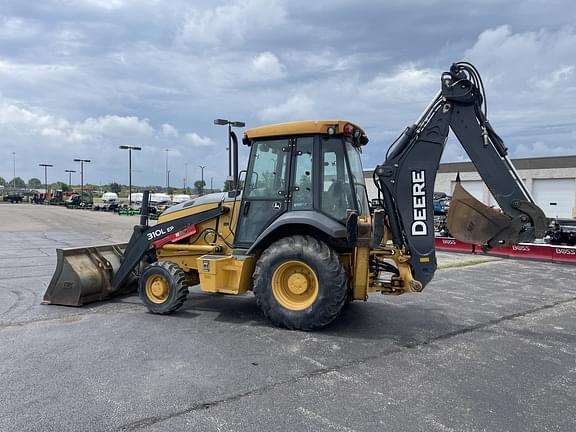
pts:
pixel 84 275
pixel 471 221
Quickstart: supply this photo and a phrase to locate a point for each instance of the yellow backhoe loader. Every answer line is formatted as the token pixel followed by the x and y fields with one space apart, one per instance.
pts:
pixel 300 235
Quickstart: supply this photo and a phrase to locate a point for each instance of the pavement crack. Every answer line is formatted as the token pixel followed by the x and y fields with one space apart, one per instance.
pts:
pixel 24 277
pixel 199 406
pixel 490 323
pixel 64 242
pixel 31 266
pixel 131 307
pixel 19 299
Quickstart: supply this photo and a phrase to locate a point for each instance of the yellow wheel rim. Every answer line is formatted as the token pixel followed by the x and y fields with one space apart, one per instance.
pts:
pixel 295 285
pixel 157 289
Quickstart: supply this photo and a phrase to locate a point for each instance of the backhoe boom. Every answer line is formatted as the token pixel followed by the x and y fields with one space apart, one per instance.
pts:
pixel 406 179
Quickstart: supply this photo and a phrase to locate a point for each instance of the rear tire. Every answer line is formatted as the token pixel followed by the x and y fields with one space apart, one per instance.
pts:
pixel 299 283
pixel 162 287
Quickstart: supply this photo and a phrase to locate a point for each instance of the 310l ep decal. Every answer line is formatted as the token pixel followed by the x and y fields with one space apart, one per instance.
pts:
pixel 160 232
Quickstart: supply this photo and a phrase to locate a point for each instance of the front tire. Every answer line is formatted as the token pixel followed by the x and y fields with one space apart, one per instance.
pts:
pixel 299 283
pixel 162 287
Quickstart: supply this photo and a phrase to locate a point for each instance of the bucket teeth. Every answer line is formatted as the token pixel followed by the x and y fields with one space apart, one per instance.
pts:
pixel 84 275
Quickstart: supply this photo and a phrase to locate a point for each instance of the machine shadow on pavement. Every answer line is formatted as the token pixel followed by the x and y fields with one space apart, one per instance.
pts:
pixel 405 324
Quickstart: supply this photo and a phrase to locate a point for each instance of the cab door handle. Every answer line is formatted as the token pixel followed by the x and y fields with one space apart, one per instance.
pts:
pixel 246 208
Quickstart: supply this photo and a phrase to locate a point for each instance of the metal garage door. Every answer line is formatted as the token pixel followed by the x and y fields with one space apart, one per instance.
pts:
pixel 555 196
pixel 371 188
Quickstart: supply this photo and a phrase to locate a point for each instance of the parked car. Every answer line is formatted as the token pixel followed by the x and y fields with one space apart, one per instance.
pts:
pixel 561 232
pixel 441 207
pixel 14 198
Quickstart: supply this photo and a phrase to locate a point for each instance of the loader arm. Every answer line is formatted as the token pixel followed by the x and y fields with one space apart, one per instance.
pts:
pixel 95 273
pixel 405 180
pixel 145 238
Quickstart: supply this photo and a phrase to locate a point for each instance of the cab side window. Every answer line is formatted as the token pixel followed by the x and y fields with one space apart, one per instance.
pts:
pixel 336 189
pixel 267 178
pixel 302 190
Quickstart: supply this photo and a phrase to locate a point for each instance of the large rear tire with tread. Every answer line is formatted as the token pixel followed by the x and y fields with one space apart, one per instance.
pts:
pixel 299 283
pixel 162 287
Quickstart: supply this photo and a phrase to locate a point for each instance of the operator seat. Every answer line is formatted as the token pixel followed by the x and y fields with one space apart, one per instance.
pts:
pixel 336 199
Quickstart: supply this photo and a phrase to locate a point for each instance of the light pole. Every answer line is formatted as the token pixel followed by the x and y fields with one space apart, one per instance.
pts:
pixel 202 179
pixel 129 148
pixel 70 178
pixel 185 176
pixel 14 170
pixel 167 174
pixel 82 177
pixel 223 122
pixel 46 180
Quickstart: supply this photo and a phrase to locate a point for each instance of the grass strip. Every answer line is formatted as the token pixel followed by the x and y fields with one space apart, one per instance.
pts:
pixel 466 263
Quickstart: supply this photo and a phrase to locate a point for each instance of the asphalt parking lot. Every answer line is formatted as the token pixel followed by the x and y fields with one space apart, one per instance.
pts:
pixel 488 346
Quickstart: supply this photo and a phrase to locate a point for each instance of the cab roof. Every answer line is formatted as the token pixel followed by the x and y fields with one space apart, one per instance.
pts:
pixel 299 128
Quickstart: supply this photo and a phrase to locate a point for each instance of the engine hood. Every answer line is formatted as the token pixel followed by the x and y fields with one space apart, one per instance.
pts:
pixel 212 198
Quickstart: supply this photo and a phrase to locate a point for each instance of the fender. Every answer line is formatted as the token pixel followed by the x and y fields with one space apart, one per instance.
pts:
pixel 314 219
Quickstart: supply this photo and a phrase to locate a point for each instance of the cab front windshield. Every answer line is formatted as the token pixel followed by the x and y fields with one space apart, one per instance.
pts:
pixel 357 175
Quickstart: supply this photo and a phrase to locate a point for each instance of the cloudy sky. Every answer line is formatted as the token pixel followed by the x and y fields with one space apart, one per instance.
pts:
pixel 78 78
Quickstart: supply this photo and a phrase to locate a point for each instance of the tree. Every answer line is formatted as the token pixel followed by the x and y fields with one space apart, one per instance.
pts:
pixel 2 181
pixel 228 184
pixel 34 183
pixel 62 186
pixel 199 185
pixel 17 183
pixel 115 187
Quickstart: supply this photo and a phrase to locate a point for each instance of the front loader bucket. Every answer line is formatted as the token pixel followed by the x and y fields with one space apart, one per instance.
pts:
pixel 84 275
pixel 471 221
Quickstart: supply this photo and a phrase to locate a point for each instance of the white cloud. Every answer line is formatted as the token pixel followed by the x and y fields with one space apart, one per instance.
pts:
pixel 407 84
pixel 324 61
pixel 31 70
pixel 298 107
pixel 231 24
pixel 58 140
pixel 169 130
pixel 563 76
pixel 25 121
pixel 17 28
pixel 542 148
pixel 87 76
pixel 197 140
pixel 114 128
pixel 266 66
pixel 528 57
pixel 108 5
pixel 530 86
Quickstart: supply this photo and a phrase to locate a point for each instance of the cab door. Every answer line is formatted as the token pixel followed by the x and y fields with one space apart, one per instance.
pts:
pixel 266 190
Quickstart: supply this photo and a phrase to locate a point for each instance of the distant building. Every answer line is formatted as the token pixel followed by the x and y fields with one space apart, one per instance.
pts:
pixel 550 180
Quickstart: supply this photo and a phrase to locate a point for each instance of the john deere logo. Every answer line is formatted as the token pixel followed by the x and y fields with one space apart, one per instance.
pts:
pixel 419 227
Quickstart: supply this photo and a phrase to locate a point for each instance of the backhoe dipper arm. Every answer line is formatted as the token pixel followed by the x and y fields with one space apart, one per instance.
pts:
pixel 406 179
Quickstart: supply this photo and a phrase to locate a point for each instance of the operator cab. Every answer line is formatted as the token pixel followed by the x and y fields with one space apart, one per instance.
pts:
pixel 304 168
